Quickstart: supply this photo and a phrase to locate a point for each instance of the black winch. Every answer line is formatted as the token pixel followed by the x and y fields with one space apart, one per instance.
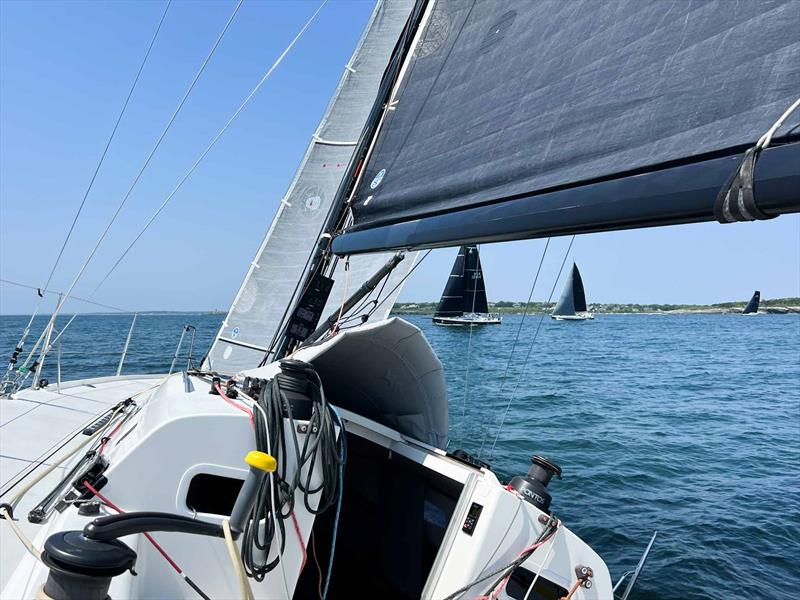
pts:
pixel 533 486
pixel 81 567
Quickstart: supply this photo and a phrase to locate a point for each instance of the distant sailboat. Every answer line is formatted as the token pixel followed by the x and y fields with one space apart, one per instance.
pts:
pixel 572 304
pixel 752 306
pixel 464 301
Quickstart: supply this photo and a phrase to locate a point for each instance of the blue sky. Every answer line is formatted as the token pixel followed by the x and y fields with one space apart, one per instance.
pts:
pixel 66 68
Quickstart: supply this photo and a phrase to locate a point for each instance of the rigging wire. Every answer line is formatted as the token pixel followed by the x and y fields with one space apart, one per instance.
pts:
pixel 516 337
pixel 38 306
pixel 212 144
pixel 530 349
pixel 469 347
pixel 134 183
pixel 148 159
pixel 399 283
pixel 203 155
pixel 78 298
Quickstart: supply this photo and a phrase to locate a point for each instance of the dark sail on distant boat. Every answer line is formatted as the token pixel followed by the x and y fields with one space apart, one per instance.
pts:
pixel 752 306
pixel 464 301
pixel 572 304
pixel 518 120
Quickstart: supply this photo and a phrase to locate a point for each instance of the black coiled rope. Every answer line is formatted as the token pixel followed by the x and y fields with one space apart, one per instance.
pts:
pixel 320 447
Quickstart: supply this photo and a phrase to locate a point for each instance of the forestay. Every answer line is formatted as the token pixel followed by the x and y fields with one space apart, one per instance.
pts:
pixel 510 107
pixel 271 283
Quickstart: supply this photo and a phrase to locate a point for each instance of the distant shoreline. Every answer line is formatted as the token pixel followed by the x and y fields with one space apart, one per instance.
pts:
pixel 775 306
pixel 779 306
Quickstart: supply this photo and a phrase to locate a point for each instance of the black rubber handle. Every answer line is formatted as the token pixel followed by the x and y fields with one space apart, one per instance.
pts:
pixel 117 526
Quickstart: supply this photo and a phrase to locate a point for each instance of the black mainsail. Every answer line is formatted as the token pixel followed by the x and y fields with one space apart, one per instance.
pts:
pixel 752 306
pixel 465 291
pixel 521 120
pixel 573 298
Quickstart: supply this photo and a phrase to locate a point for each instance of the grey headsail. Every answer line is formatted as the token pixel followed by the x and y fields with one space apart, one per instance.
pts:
pixel 573 298
pixel 260 306
pixel 465 291
pixel 752 306
pixel 528 119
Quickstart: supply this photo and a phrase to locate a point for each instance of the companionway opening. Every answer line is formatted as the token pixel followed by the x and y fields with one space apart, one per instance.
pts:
pixel 394 516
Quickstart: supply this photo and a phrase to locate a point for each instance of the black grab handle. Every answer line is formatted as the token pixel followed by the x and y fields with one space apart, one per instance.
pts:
pixel 117 526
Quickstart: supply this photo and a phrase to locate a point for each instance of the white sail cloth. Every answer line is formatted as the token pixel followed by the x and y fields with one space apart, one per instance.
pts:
pixel 271 283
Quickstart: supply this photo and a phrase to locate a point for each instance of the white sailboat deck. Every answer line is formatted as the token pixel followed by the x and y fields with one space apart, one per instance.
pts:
pixel 34 425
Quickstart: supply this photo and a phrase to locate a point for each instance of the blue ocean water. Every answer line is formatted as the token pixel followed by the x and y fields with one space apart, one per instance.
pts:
pixel 685 424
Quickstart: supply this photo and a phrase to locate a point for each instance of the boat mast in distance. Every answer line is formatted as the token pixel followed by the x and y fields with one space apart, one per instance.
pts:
pixel 464 301
pixel 752 306
pixel 572 304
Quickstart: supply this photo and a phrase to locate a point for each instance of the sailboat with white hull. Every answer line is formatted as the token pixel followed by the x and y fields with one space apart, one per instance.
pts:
pixel 572 304
pixel 315 422
pixel 463 300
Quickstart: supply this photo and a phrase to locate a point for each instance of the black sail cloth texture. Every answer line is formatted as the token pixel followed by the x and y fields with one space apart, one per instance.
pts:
pixel 504 99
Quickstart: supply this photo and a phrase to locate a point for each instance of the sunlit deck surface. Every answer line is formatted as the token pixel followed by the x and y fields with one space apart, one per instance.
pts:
pixel 34 425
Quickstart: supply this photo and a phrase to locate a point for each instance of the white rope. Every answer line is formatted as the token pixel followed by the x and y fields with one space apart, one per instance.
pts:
pixel 544 562
pixel 211 145
pixel 37 554
pixel 141 171
pixel 61 459
pixel 236 561
pixel 766 139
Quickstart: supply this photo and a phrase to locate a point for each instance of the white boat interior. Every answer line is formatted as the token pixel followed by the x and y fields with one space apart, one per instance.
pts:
pixel 411 520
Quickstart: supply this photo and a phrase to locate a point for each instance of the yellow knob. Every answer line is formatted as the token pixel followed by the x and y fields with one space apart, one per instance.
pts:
pixel 261 461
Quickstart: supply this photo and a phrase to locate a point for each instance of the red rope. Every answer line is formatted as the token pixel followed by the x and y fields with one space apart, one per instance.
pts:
pixel 299 539
pixel 236 405
pixel 528 549
pixel 107 438
pixel 147 535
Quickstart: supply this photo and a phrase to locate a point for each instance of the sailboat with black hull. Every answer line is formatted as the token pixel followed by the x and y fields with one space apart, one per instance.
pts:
pixel 463 300
pixel 459 123
pixel 752 306
pixel 572 304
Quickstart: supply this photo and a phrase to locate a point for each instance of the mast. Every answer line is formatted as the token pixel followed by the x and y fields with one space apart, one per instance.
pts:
pixel 275 280
pixel 322 259
pixel 474 287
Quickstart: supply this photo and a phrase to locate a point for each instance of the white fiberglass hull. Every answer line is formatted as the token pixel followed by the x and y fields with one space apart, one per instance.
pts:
pixel 575 317
pixel 177 431
pixel 465 320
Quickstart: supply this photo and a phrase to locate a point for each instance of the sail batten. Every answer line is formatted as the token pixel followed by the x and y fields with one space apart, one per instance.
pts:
pixel 508 106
